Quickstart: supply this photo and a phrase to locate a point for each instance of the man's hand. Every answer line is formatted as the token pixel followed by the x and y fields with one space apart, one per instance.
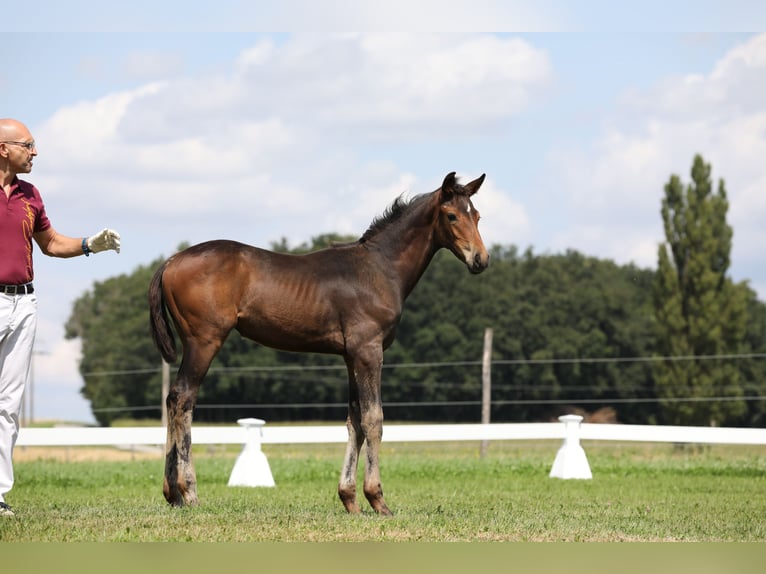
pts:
pixel 103 240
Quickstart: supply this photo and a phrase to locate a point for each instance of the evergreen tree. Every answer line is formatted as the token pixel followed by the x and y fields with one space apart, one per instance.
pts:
pixel 700 312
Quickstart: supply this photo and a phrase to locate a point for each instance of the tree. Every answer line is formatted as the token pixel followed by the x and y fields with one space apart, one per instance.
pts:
pixel 700 313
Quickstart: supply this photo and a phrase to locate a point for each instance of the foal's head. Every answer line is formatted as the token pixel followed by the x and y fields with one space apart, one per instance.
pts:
pixel 457 226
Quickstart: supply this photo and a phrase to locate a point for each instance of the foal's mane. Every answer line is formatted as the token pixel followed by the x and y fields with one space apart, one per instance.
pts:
pixel 393 213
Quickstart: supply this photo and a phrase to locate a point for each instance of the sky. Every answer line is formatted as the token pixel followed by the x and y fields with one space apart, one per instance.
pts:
pixel 172 123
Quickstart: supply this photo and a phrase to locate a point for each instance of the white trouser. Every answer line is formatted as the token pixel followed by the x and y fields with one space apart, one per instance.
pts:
pixel 18 322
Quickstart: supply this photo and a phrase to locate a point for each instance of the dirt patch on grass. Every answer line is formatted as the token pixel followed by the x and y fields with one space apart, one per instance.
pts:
pixel 80 454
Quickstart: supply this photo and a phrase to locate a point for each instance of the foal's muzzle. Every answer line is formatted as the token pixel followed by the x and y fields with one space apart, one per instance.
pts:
pixel 478 263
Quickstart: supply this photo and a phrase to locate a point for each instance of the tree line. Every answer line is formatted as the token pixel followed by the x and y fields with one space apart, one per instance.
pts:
pixel 680 345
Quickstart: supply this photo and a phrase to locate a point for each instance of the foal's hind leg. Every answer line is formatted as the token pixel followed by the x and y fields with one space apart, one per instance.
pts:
pixel 180 483
pixel 372 426
pixel 347 484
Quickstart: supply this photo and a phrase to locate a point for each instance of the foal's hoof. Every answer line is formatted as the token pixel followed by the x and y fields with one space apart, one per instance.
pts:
pixel 383 510
pixel 177 497
pixel 181 502
pixel 351 507
pixel 348 498
pixel 375 499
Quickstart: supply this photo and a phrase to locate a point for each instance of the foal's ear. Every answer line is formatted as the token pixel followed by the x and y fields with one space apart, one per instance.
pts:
pixel 448 185
pixel 474 186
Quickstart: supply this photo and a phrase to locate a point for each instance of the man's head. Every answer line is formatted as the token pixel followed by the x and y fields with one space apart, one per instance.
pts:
pixel 17 147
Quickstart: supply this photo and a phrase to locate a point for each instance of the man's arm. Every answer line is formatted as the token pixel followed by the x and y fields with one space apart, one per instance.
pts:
pixel 55 244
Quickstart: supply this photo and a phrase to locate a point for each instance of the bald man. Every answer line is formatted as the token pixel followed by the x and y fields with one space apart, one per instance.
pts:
pixel 22 219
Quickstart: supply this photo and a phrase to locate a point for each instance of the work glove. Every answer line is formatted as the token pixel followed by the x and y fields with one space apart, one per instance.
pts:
pixel 103 240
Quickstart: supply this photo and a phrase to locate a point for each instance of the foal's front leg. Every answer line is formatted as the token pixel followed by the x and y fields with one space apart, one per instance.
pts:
pixel 365 377
pixel 347 484
pixel 372 425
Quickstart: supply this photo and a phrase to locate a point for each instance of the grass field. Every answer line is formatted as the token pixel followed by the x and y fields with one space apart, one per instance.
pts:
pixel 438 492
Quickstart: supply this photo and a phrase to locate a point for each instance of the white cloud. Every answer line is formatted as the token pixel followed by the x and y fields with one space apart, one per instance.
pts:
pixel 448 81
pixel 84 136
pixel 275 136
pixel 372 86
pixel 735 86
pixel 55 364
pixel 613 240
pixel 615 187
pixel 504 221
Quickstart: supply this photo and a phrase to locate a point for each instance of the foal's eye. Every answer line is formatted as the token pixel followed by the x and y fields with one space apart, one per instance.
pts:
pixel 452 217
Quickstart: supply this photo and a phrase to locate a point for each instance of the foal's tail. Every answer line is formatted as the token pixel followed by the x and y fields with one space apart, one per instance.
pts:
pixel 162 332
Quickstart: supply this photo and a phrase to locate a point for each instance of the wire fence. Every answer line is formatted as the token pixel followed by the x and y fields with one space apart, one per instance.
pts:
pixel 500 387
pixel 273 368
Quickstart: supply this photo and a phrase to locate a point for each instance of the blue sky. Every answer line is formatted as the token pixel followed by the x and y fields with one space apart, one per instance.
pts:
pixel 171 123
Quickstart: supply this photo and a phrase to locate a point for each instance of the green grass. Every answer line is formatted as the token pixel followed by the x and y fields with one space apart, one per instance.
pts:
pixel 438 492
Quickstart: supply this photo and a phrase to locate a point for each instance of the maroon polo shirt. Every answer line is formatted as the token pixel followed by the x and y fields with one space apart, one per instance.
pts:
pixel 21 215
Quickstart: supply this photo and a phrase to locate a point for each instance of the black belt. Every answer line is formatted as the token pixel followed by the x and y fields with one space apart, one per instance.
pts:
pixel 17 289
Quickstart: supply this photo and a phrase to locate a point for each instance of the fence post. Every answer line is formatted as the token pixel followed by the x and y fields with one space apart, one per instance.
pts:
pixel 486 386
pixel 571 461
pixel 252 467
